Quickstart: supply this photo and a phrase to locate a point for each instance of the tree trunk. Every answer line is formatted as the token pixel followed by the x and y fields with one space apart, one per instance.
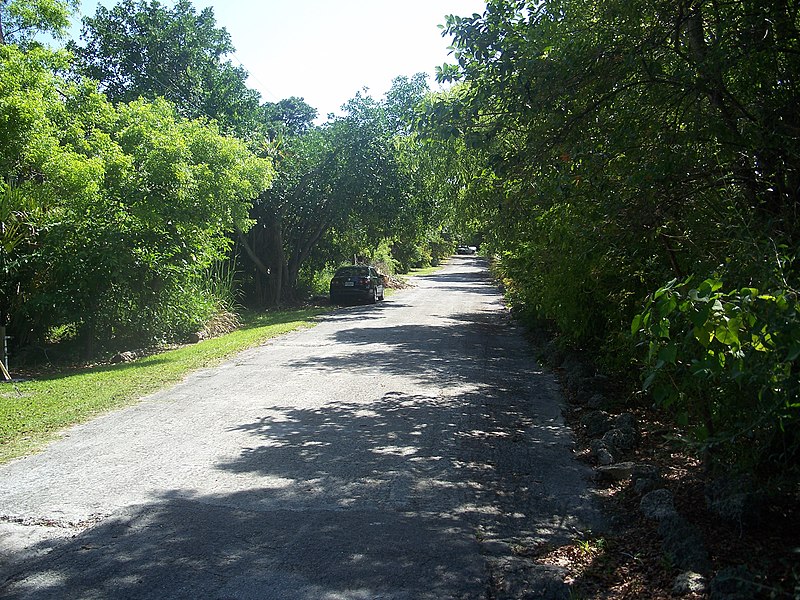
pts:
pixel 302 251
pixel 276 260
pixel 264 246
pixel 250 243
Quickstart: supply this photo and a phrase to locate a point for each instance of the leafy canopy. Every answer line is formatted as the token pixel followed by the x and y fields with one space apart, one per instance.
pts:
pixel 142 48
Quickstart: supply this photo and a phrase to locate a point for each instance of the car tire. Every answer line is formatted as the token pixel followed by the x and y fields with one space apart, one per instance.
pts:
pixel 374 298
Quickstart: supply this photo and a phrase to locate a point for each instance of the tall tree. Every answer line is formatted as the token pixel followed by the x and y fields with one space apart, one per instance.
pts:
pixel 22 20
pixel 110 213
pixel 625 146
pixel 142 48
pixel 663 127
pixel 343 172
pixel 290 116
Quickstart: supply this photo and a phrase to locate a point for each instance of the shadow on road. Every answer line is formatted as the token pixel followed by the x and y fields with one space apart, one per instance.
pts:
pixel 404 496
pixel 179 547
pixel 462 349
pixel 401 498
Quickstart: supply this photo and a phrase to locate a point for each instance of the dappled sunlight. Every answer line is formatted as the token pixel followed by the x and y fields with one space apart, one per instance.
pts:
pixel 192 543
pixel 424 451
pixel 471 456
pixel 439 354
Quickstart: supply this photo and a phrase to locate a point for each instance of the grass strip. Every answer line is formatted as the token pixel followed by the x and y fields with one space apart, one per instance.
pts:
pixel 422 271
pixel 35 411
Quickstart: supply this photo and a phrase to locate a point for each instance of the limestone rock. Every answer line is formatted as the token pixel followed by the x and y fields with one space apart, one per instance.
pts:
pixel 601 453
pixel 658 505
pixel 619 441
pixel 683 544
pixel 123 357
pixel 734 499
pixel 616 472
pixel 626 421
pixel 596 423
pixel 597 402
pixel 689 582
pixel 645 478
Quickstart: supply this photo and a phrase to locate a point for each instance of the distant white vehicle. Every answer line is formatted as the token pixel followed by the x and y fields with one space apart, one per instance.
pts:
pixel 466 250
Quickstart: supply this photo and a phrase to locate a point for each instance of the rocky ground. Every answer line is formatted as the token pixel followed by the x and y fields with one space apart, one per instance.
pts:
pixel 676 534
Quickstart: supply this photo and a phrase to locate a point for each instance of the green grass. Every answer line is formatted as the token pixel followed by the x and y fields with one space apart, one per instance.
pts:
pixel 32 412
pixel 424 271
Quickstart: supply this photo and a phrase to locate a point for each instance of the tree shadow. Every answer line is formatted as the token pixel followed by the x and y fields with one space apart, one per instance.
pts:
pixel 478 281
pixel 390 494
pixel 405 497
pixel 180 546
pixel 460 349
pixel 355 312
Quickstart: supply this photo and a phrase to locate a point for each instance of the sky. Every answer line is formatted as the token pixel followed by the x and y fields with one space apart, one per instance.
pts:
pixel 327 50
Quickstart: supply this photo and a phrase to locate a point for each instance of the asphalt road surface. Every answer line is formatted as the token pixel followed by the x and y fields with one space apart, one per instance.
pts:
pixel 406 450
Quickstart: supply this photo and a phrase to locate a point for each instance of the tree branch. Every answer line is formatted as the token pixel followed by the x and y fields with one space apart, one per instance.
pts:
pixel 251 253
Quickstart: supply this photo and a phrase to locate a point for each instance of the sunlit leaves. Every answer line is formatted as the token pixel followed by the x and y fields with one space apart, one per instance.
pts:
pixel 128 205
pixel 22 20
pixel 142 48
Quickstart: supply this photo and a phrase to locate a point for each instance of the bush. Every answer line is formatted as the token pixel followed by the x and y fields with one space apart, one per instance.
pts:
pixel 726 364
pixel 314 282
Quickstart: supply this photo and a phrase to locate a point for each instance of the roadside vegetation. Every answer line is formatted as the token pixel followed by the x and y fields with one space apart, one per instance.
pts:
pixel 141 199
pixel 632 168
pixel 635 169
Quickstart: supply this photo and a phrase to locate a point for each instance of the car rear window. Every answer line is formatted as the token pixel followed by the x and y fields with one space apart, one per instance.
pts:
pixel 350 271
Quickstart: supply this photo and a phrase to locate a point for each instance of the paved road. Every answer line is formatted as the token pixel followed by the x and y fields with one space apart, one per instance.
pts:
pixel 399 451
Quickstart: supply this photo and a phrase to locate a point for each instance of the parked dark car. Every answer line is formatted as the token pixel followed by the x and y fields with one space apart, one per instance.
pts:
pixel 358 282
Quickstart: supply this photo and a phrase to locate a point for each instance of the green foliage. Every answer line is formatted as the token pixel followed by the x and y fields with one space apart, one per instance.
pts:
pixel 609 147
pixel 124 207
pixel 429 249
pixel 726 363
pixel 22 20
pixel 288 117
pixel 314 281
pixel 381 257
pixel 220 283
pixel 17 228
pixel 144 49
pixel 341 188
pixel 411 254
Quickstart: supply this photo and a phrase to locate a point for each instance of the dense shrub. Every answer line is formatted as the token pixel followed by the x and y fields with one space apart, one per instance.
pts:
pixel 726 364
pixel 124 208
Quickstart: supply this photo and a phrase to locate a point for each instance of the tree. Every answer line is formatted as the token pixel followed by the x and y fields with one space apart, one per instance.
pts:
pixel 644 129
pixel 118 209
pixel 21 20
pixel 624 145
pixel 343 174
pixel 141 48
pixel 288 117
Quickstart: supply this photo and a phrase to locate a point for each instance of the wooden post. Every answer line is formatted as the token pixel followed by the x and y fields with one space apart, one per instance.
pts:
pixel 3 357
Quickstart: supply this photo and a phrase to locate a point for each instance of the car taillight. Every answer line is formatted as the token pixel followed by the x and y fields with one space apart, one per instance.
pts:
pixel 363 280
